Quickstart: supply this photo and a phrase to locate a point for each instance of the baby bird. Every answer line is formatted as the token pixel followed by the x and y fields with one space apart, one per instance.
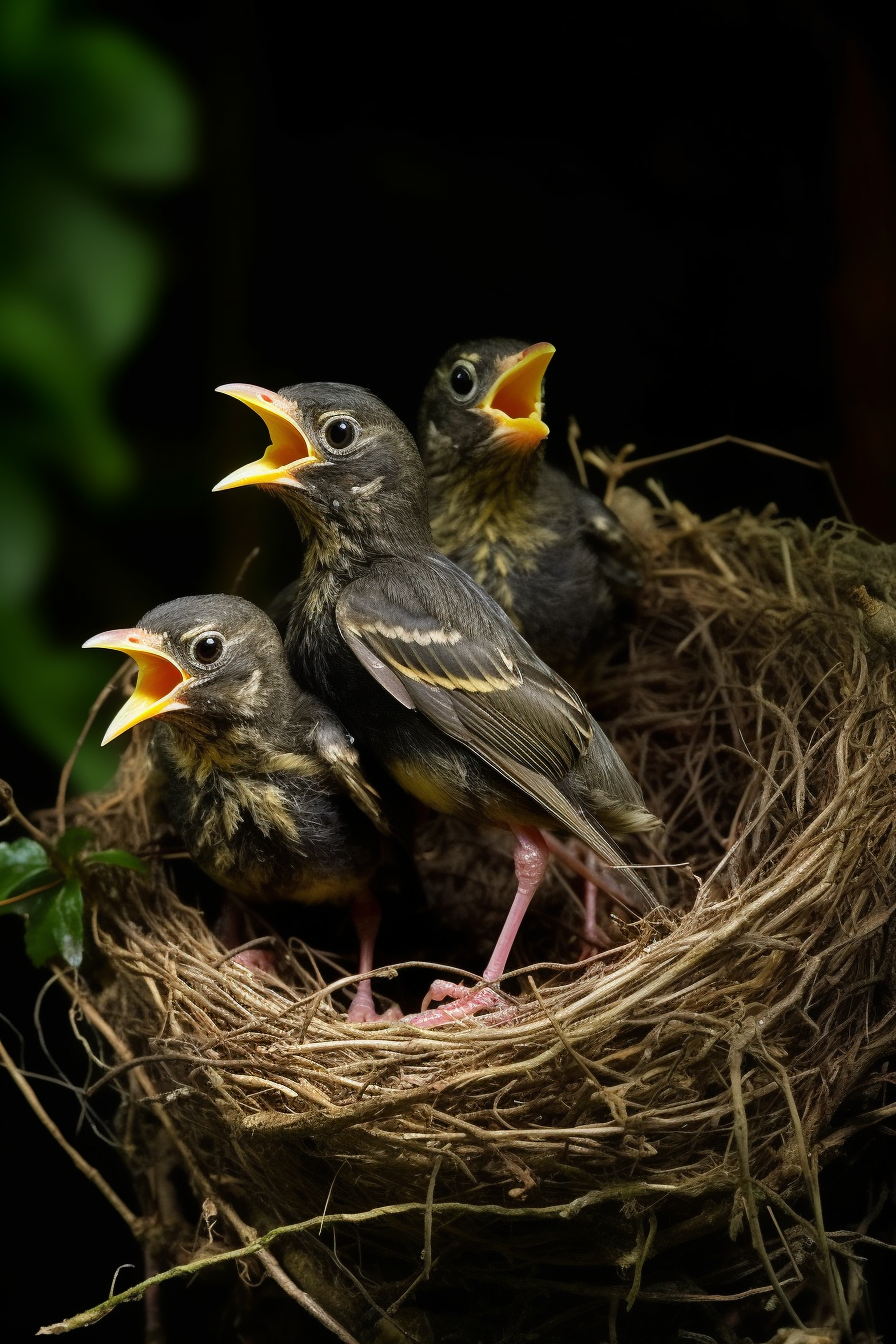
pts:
pixel 425 669
pixel 551 553
pixel 260 778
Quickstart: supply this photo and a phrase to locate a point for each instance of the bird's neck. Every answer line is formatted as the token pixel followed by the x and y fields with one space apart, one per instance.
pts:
pixel 338 549
pixel 204 751
pixel 471 498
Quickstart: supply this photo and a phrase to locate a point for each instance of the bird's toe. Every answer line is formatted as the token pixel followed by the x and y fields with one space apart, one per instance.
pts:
pixel 256 959
pixel 363 1009
pixel 466 1003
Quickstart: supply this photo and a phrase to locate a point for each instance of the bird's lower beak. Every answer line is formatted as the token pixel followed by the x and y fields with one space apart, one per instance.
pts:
pixel 514 402
pixel 288 449
pixel 158 678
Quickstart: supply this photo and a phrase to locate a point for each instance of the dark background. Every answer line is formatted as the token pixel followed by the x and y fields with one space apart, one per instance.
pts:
pixel 695 202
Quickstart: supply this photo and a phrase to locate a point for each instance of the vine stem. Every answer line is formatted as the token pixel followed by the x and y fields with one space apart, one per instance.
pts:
pixel 134 1222
pixel 88 724
pixel 242 1229
pixel 7 801
pixel 317 1223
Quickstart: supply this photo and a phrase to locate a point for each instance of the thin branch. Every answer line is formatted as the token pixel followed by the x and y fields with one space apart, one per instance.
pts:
pixel 133 1221
pixel 244 569
pixel 746 1185
pixel 643 1253
pixel 7 801
pixel 88 724
pixel 810 1177
pixel 573 434
pixel 35 891
pixel 197 1176
pixel 261 1244
pixel 616 468
pixel 427 1239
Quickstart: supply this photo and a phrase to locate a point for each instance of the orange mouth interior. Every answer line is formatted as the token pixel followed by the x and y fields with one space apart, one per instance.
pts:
pixel 519 394
pixel 156 679
pixel 514 400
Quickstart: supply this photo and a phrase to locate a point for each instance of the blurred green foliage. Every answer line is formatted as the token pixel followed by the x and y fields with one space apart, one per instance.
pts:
pixel 91 116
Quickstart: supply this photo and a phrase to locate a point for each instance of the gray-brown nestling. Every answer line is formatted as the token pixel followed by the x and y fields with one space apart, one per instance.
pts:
pixel 559 562
pixel 259 777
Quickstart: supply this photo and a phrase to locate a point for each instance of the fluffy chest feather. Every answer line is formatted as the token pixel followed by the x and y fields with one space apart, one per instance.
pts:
pixel 276 833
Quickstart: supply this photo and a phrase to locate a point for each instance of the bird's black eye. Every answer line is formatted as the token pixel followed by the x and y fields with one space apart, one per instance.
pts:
pixel 340 433
pixel 207 648
pixel 462 381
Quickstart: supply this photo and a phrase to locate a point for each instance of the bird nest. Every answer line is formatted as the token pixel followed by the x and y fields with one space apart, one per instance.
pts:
pixel 649 1126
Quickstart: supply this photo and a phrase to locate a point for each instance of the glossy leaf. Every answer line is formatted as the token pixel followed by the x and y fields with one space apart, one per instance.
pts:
pixel 17 861
pixel 118 858
pixel 56 925
pixel 33 881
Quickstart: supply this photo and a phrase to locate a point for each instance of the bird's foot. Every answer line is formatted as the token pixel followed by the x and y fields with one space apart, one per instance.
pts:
pixel 363 1008
pixel 256 959
pixel 466 1002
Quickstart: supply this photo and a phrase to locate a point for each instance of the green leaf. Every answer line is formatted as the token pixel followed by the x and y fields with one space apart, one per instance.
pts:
pixel 118 858
pixel 19 861
pixel 73 840
pixel 56 925
pixel 43 877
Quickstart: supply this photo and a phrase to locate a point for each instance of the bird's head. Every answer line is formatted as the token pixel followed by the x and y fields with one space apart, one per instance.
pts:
pixel 485 400
pixel 214 659
pixel 340 459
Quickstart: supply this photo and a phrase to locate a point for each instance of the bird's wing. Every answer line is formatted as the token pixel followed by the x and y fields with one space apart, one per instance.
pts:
pixel 452 654
pixel 439 645
pixel 335 748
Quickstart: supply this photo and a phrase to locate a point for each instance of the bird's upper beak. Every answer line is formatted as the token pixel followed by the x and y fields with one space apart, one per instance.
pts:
pixel 514 401
pixel 289 448
pixel 158 678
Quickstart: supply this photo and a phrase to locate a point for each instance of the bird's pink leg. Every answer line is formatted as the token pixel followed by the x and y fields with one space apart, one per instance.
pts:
pixel 366 919
pixel 231 929
pixel 530 860
pixel 596 879
pixel 593 936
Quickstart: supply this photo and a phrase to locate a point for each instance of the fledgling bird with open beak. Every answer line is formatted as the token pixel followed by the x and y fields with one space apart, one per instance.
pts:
pixel 423 667
pixel 550 552
pixel 260 778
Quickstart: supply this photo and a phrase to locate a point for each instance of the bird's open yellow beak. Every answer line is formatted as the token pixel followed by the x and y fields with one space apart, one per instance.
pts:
pixel 158 678
pixel 288 449
pixel 514 401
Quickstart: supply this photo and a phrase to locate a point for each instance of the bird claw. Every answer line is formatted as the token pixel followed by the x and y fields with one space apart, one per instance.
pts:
pixel 466 1002
pixel 256 959
pixel 362 1009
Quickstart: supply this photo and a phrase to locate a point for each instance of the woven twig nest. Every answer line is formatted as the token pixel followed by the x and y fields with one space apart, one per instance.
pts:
pixel 685 1085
